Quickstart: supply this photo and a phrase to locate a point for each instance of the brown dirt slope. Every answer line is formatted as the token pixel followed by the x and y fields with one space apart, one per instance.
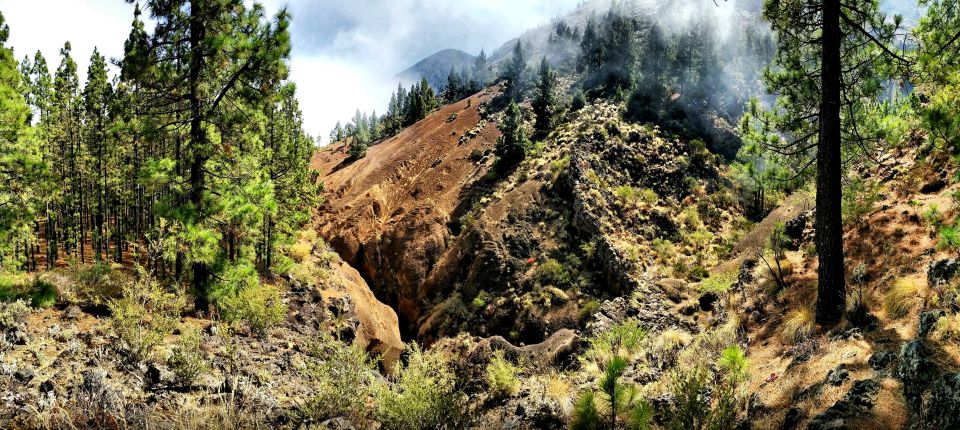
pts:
pixel 387 214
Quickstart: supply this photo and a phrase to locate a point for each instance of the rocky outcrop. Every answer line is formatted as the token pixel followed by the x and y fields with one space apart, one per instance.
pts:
pixel 377 329
pixel 856 403
pixel 943 407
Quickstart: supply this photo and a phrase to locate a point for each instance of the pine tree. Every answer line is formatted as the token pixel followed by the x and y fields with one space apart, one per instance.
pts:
pixel 96 99
pixel 336 134
pixel 22 171
pixel 514 74
pixel 209 52
pixel 545 104
pixel 480 71
pixel 513 143
pixel 827 72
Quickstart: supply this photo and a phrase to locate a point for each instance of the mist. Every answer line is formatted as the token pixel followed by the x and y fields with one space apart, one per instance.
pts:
pixel 346 55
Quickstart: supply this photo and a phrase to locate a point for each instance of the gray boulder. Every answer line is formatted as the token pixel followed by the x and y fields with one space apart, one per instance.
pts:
pixel 943 407
pixel 856 403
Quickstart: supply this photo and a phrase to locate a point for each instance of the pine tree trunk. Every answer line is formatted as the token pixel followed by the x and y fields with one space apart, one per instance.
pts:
pixel 201 272
pixel 831 289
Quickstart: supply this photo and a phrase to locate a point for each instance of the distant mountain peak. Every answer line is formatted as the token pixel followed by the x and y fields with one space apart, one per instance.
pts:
pixel 436 67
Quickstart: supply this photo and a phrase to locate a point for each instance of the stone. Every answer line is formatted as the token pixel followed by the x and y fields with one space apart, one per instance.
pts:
pixel 881 360
pixel 917 371
pixel 856 403
pixel 792 418
pixel 158 374
pixel 943 407
pixel 47 386
pixel 18 337
pixel 942 271
pixel 707 301
pixel 23 375
pixel 837 377
pixel 338 423
pixel 73 312
pixel 928 320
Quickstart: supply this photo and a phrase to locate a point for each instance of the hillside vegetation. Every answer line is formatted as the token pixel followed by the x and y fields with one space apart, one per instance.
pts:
pixel 627 219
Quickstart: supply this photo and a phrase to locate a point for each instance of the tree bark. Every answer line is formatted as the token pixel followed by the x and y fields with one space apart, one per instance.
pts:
pixel 201 272
pixel 831 288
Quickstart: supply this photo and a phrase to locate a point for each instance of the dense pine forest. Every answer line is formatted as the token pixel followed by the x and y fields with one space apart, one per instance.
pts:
pixel 641 215
pixel 192 162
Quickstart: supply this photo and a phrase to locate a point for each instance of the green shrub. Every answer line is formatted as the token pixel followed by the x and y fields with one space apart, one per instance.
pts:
pixel 622 406
pixel 481 299
pixel 734 363
pixel 43 294
pixel 588 309
pixel 664 248
pixel 622 340
pixel 626 193
pixel 424 395
pixel 258 307
pixel 949 238
pixel 144 315
pixel 12 313
pixel 343 375
pixel 933 216
pixel 186 360
pixel 694 409
pixel 552 272
pixel 503 376
pixel 98 283
pixel 13 286
pixel 858 199
pixel 719 283
pixel 300 251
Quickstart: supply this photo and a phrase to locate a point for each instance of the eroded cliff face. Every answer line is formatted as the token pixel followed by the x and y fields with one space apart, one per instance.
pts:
pixel 388 214
pixel 454 245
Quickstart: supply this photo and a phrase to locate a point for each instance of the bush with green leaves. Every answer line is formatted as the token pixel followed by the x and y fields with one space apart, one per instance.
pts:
pixel 553 272
pixel 625 339
pixel 859 198
pixel 43 294
pixel 707 400
pixel 186 360
pixel 144 314
pixel 425 394
pixel 97 284
pixel 12 313
pixel 949 238
pixel 614 405
pixel 241 298
pixel 260 308
pixel 343 376
pixel 503 377
pixel 933 216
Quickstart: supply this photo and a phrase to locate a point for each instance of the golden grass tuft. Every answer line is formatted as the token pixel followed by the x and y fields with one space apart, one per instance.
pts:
pixel 786 269
pixel 798 326
pixel 903 295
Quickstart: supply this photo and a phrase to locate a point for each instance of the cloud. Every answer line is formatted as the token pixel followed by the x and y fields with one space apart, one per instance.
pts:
pixel 346 53
pixel 45 25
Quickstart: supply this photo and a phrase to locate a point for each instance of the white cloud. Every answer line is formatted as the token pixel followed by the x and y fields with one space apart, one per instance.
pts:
pixel 45 25
pixel 346 53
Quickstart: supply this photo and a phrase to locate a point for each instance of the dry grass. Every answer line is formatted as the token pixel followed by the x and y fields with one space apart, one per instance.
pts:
pixel 902 297
pixel 798 325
